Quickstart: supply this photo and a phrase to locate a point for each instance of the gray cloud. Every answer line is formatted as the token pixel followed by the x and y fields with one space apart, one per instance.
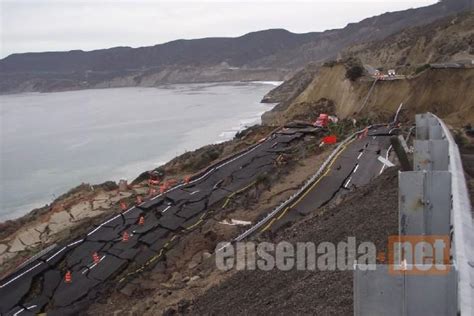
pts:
pixel 51 25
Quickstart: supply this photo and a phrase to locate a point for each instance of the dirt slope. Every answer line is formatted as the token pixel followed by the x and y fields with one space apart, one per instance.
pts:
pixel 311 292
pixel 445 92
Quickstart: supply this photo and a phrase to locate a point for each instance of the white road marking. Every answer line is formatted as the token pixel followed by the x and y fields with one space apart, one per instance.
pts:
pixel 360 155
pixel 76 242
pixel 19 312
pixel 20 275
pixel 115 217
pixel 355 169
pixel 167 208
pixel 347 183
pixel 93 265
pixel 194 192
pixel 57 253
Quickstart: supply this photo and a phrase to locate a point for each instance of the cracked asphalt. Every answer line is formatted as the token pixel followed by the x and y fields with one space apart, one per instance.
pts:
pixel 355 166
pixel 40 286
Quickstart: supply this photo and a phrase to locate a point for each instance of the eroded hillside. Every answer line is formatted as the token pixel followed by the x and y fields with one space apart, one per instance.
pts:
pixel 445 92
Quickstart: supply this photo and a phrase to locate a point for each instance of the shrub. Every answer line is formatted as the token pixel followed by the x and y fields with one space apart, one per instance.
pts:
pixel 421 68
pixel 354 72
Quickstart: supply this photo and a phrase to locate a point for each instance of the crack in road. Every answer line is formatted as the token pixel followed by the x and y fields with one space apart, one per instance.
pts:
pixel 248 166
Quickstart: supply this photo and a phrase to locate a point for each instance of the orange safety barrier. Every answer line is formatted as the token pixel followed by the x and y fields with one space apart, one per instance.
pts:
pixel 125 236
pixel 95 258
pixel 187 179
pixel 68 277
pixel 331 139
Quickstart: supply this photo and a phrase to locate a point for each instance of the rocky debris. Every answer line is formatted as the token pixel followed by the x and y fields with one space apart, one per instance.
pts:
pixel 311 292
pixel 173 276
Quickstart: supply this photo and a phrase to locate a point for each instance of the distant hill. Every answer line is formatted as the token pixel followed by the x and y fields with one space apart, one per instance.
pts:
pixel 264 55
pixel 446 40
pixel 198 52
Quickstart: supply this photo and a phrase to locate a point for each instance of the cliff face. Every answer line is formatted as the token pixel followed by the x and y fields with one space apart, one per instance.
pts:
pixel 445 92
pixel 269 55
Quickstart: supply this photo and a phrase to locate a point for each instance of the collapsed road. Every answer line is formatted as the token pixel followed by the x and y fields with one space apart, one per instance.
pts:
pixel 67 279
pixel 355 165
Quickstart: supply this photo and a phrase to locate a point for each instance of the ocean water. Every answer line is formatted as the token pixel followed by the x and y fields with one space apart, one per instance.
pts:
pixel 51 142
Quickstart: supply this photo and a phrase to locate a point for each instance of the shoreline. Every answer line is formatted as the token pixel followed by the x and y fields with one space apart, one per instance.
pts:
pixel 130 173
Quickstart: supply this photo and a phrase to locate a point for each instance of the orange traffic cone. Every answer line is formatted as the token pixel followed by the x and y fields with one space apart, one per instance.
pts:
pixel 125 236
pixel 68 277
pixel 141 221
pixel 187 179
pixel 162 189
pixel 139 199
pixel 123 206
pixel 95 258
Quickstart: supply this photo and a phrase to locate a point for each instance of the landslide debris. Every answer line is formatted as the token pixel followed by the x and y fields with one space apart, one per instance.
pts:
pixel 369 214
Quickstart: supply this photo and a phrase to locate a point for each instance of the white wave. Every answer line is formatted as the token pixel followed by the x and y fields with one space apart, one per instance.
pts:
pixel 272 83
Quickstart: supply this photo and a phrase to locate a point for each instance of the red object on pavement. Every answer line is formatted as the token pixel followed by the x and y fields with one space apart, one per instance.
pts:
pixel 68 277
pixel 125 236
pixel 187 179
pixel 95 257
pixel 141 221
pixel 331 139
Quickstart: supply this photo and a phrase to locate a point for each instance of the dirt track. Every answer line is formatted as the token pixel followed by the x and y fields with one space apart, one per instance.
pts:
pixel 370 214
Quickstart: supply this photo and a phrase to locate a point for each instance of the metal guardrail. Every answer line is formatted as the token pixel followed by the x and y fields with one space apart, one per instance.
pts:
pixel 433 201
pixel 308 183
pixel 463 227
pixel 37 255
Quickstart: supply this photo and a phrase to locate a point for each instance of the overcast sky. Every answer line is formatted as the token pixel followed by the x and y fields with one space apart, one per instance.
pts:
pixel 52 25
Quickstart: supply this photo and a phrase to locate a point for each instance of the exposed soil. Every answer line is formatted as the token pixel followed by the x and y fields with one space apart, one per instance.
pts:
pixel 369 214
pixel 431 90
